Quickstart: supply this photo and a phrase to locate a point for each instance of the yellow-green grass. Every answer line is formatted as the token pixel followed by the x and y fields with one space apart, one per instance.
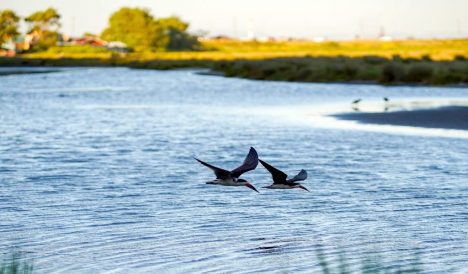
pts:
pixel 431 62
pixel 436 49
pixel 233 49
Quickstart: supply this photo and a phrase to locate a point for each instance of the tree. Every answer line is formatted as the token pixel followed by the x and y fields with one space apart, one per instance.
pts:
pixel 46 20
pixel 177 36
pixel 46 23
pixel 140 31
pixel 8 25
pixel 136 28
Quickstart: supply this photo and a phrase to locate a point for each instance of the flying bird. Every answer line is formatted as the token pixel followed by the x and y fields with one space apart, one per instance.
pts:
pixel 280 179
pixel 386 99
pixel 231 178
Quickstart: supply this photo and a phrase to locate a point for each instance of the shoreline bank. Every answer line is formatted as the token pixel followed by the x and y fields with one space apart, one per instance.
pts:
pixel 448 117
pixel 340 69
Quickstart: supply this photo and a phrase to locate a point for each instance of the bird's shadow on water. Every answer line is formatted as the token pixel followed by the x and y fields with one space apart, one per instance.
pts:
pixel 332 260
pixel 271 247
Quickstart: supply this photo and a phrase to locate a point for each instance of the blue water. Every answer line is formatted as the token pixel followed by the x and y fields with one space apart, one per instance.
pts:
pixel 97 175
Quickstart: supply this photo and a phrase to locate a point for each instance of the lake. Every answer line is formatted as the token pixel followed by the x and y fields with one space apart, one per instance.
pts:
pixel 97 175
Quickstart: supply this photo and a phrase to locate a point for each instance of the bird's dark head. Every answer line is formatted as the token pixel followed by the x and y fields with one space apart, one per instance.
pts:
pixel 247 184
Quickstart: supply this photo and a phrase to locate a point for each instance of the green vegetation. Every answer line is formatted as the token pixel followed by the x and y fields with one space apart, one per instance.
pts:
pixel 135 27
pixel 177 37
pixel 44 20
pixel 141 32
pixel 370 265
pixel 345 69
pixel 45 24
pixel 8 25
pixel 369 69
pixel 435 49
pixel 16 265
pixel 231 50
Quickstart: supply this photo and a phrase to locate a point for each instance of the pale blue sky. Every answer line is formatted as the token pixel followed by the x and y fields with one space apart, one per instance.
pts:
pixel 336 19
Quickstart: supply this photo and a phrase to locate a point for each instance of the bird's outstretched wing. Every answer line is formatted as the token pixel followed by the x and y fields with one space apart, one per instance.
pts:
pixel 219 172
pixel 301 176
pixel 250 163
pixel 279 177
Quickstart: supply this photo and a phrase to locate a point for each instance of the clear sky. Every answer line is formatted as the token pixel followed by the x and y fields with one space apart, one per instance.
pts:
pixel 335 19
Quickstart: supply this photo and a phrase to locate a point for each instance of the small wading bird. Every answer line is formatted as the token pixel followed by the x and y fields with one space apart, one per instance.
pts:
pixel 355 102
pixel 280 179
pixel 231 178
pixel 386 103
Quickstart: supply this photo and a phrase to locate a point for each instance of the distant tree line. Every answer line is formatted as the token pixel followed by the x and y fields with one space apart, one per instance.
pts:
pixel 136 27
pixel 8 25
pixel 44 23
pixel 142 32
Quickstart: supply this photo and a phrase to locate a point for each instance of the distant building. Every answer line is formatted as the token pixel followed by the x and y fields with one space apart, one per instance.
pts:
pixel 117 46
pixel 19 44
pixel 95 41
pixel 383 36
pixel 319 39
pixel 386 38
pixel 266 39
pixel 88 40
pixel 23 43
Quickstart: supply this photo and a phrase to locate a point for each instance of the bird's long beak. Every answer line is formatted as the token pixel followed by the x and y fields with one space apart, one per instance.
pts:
pixel 303 187
pixel 251 186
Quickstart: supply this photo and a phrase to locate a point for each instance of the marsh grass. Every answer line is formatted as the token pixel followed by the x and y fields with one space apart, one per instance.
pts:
pixel 373 264
pixel 216 50
pixel 16 264
pixel 437 62
pixel 434 49
pixel 346 69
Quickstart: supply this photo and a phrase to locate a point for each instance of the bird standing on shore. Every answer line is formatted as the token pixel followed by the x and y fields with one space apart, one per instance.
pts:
pixel 231 178
pixel 386 107
pixel 355 102
pixel 280 179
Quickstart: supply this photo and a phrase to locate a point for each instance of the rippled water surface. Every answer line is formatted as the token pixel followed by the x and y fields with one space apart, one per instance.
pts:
pixel 97 174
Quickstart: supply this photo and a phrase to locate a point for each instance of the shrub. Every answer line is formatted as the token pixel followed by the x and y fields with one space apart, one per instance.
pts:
pixel 419 73
pixel 392 72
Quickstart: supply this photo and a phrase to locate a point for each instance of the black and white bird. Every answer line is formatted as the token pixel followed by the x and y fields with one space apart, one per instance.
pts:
pixel 280 179
pixel 231 178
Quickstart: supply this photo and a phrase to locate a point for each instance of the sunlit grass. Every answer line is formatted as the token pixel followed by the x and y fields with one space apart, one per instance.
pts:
pixel 436 49
pixel 232 49
pixel 429 62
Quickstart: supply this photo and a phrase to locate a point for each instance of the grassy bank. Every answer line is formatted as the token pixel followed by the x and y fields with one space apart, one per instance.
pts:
pixel 368 69
pixel 234 49
pixel 438 62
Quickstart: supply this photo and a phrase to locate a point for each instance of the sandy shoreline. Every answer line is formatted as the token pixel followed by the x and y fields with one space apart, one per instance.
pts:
pixel 450 117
